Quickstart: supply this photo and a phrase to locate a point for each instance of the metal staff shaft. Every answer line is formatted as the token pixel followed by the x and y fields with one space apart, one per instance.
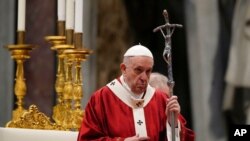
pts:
pixel 167 56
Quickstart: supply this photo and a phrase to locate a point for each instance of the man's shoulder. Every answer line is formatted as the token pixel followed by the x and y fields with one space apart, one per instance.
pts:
pixel 102 91
pixel 100 95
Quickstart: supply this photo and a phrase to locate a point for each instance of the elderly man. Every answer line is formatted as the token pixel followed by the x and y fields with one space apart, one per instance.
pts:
pixel 129 109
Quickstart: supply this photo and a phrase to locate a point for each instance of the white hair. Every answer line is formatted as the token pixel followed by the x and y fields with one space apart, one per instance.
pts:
pixel 158 81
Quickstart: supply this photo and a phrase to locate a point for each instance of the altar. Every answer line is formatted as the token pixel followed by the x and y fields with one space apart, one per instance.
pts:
pixel 21 134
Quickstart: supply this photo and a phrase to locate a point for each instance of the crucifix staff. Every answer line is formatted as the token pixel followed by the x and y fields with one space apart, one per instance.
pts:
pixel 167 56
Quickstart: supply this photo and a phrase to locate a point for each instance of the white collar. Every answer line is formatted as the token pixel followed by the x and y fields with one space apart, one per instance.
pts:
pixel 122 93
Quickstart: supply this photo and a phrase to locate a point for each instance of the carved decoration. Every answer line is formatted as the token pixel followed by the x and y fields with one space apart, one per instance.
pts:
pixel 34 119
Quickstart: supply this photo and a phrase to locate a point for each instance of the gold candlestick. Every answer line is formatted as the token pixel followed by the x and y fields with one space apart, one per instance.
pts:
pixel 60 83
pixel 67 95
pixel 59 45
pixel 73 91
pixel 78 55
pixel 60 76
pixel 20 53
pixel 57 42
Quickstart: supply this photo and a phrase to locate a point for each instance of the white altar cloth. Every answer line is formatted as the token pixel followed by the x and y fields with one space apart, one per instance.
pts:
pixel 21 134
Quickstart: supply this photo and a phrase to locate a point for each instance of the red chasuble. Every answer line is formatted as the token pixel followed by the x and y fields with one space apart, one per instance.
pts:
pixel 112 115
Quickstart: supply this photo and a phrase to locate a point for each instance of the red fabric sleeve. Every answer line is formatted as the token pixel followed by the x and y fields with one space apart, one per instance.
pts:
pixel 186 133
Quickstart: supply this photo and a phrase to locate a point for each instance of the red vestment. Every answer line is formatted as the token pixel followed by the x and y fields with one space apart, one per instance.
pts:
pixel 108 118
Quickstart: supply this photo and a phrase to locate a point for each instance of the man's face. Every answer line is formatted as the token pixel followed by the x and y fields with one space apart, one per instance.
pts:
pixel 136 72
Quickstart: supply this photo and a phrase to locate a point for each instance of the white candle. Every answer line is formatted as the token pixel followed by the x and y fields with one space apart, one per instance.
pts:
pixel 61 10
pixel 70 14
pixel 78 16
pixel 21 15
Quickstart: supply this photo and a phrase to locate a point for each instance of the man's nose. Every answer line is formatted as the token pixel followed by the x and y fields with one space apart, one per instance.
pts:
pixel 144 76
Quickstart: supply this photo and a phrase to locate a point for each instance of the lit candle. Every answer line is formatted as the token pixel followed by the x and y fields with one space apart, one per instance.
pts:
pixel 21 15
pixel 61 10
pixel 78 16
pixel 70 14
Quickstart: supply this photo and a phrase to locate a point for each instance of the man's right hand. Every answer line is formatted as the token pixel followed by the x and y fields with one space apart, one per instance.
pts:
pixel 137 138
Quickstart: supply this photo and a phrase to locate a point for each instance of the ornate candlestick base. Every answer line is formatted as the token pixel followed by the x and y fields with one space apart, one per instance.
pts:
pixel 34 119
pixel 19 53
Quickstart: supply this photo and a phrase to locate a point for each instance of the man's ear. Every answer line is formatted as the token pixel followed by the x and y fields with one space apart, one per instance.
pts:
pixel 123 68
